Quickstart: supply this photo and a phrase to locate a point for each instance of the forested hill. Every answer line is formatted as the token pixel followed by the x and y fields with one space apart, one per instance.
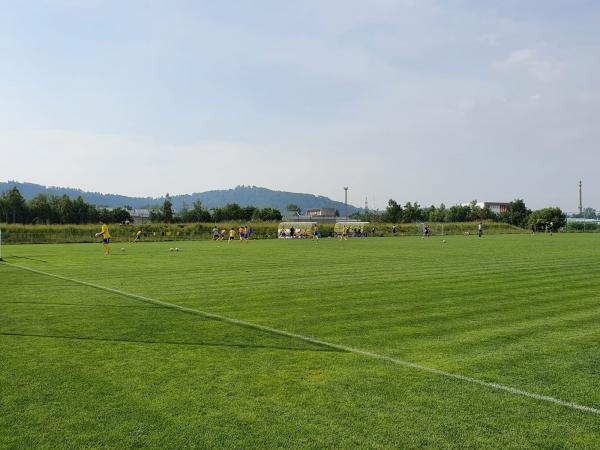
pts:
pixel 242 195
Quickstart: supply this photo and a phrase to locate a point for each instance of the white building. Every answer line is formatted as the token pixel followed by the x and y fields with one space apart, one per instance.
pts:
pixel 495 207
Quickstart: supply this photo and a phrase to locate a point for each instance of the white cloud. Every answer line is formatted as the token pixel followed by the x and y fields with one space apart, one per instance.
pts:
pixel 518 57
pixel 532 63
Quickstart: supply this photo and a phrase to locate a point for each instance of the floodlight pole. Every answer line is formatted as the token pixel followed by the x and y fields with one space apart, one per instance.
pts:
pixel 346 202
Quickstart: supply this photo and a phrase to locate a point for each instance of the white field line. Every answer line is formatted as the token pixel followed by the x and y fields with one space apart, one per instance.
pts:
pixel 400 362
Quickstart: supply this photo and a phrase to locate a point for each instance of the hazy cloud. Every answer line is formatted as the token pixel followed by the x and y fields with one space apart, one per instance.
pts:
pixel 530 62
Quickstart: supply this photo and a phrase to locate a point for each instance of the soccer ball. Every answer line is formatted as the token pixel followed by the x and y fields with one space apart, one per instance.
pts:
pixel 444 241
pixel 122 249
pixel 171 249
pixel 176 249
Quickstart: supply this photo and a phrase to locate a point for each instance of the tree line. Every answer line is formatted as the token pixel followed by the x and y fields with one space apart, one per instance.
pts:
pixel 197 213
pixel 61 209
pixel 516 214
pixel 53 209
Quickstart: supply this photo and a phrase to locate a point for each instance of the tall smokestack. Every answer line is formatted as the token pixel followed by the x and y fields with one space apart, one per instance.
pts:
pixel 346 202
pixel 580 199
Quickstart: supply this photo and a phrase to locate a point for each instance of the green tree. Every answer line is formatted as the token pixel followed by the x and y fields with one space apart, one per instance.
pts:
pixel 366 216
pixel 3 209
pixel 14 206
pixel 120 215
pixel 516 214
pixel 393 212
pixel 167 209
pixel 40 209
pixel 433 214
pixel 248 212
pixel 266 214
pixel 488 214
pixel 231 211
pixel 82 212
pixel 412 212
pixel 197 214
pixel 540 218
pixel 459 213
pixel 156 215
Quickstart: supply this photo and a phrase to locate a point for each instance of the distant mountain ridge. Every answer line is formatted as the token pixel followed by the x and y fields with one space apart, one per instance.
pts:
pixel 243 195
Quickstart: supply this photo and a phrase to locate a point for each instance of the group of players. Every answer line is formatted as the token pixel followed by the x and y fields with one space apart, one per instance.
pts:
pixel 245 232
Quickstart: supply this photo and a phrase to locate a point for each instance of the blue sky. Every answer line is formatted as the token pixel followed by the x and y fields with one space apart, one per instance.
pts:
pixel 425 101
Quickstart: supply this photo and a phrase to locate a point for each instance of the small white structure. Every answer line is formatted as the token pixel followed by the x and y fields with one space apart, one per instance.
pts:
pixel 495 207
pixel 140 215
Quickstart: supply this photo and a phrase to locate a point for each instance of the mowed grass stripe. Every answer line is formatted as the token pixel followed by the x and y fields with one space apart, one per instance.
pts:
pixel 406 274
pixel 524 260
pixel 492 385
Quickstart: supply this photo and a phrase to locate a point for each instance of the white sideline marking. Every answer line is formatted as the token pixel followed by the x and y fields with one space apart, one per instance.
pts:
pixel 401 362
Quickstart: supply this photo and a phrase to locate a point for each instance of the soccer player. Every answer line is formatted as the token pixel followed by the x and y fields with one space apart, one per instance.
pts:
pixel 215 233
pixel 231 235
pixel 344 236
pixel 315 232
pixel 480 230
pixel 138 236
pixel 105 238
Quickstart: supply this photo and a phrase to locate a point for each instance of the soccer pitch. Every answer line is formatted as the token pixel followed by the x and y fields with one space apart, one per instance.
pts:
pixel 369 343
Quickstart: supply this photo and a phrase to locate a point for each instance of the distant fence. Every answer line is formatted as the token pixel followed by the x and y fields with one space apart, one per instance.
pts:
pixel 583 227
pixel 42 234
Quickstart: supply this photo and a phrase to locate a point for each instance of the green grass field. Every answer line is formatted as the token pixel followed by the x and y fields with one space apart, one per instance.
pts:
pixel 84 367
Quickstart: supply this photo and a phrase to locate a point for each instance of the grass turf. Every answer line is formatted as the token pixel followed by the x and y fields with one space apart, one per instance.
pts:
pixel 81 367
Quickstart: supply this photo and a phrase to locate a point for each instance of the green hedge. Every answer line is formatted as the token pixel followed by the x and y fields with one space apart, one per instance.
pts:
pixel 200 231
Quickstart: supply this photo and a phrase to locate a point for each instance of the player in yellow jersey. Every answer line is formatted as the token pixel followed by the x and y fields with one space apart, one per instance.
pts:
pixel 315 232
pixel 231 235
pixel 105 238
pixel 138 236
pixel 344 236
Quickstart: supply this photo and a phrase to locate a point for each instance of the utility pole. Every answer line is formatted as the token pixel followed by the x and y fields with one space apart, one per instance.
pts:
pixel 366 204
pixel 580 200
pixel 346 202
